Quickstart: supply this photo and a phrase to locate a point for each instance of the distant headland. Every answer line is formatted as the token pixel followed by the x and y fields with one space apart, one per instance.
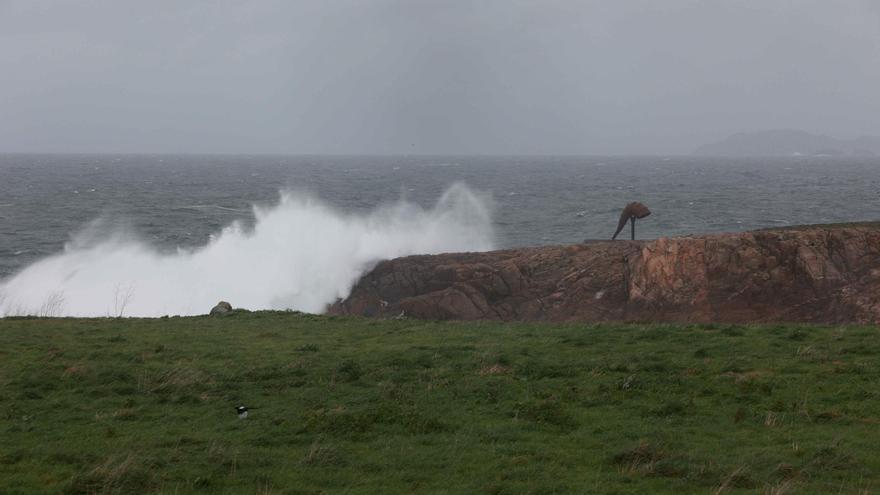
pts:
pixel 783 142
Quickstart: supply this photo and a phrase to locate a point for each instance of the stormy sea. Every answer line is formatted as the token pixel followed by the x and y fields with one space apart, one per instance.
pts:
pixel 153 235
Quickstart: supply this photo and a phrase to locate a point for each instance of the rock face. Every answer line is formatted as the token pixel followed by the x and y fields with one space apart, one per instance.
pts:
pixel 820 274
pixel 222 308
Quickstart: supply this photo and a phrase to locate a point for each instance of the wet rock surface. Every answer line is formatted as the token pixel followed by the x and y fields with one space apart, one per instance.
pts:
pixel 820 274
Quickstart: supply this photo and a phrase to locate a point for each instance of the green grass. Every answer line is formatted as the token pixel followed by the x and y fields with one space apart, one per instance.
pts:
pixel 349 405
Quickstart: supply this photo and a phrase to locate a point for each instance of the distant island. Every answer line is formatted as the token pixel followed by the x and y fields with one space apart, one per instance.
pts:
pixel 790 143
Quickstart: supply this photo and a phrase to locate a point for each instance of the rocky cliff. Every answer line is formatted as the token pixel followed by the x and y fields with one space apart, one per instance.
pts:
pixel 822 274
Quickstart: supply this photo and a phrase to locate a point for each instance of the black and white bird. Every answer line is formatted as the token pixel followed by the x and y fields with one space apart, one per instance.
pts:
pixel 243 411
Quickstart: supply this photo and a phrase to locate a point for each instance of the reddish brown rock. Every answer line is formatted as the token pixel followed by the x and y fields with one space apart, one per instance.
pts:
pixel 820 274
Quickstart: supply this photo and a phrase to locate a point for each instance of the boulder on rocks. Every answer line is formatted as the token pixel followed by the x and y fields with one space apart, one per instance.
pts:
pixel 222 308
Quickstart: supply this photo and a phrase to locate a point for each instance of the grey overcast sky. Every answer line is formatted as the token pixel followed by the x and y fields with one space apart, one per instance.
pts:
pixel 411 76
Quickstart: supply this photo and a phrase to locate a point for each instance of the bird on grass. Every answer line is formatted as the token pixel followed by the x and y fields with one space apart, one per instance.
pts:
pixel 243 411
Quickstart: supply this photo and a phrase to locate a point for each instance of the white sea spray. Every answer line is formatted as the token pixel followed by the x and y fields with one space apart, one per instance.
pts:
pixel 300 254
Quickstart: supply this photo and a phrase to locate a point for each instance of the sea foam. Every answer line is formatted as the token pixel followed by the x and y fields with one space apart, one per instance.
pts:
pixel 300 254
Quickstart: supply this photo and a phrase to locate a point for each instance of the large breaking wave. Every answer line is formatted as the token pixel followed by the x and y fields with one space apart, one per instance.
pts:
pixel 300 254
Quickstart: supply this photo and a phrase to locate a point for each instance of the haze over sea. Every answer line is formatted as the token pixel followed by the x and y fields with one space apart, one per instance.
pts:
pixel 163 234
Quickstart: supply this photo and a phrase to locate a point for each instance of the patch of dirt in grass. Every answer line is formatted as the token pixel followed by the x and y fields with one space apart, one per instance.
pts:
pixel 125 414
pixel 495 369
pixel 739 377
pixel 75 370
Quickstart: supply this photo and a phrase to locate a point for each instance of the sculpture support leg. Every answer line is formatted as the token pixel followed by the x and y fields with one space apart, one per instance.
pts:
pixel 632 221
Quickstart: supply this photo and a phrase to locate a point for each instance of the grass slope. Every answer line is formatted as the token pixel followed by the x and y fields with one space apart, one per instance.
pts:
pixel 349 405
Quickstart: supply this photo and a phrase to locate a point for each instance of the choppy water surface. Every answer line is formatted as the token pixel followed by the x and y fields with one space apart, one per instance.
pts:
pixel 169 205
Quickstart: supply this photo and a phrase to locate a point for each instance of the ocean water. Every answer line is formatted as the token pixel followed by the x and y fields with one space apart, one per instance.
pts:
pixel 151 235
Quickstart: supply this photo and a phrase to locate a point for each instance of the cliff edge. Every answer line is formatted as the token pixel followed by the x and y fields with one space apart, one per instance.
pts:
pixel 816 274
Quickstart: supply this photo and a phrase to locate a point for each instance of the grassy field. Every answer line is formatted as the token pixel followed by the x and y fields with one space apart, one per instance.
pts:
pixel 349 405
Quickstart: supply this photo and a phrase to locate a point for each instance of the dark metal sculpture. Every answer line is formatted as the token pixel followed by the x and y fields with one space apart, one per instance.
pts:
pixel 630 213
